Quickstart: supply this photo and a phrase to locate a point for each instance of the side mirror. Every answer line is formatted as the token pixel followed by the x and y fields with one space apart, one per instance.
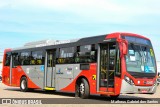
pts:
pixel 123 46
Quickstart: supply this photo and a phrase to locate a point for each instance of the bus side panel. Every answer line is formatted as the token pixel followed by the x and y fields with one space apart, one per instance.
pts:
pixel 35 76
pixel 18 73
pixel 118 84
pixel 89 74
pixel 65 76
pixel 5 69
pixel 15 76
pixel 92 78
pixel 6 75
pixel 31 84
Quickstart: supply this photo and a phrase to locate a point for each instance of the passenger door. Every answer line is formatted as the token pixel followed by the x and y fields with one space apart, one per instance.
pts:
pixel 50 69
pixel 107 66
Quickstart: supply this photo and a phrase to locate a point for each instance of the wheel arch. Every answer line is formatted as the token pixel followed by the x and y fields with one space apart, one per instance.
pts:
pixel 30 83
pixel 79 79
pixel 23 76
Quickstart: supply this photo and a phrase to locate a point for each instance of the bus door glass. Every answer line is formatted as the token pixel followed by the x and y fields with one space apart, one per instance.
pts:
pixel 50 73
pixel 107 65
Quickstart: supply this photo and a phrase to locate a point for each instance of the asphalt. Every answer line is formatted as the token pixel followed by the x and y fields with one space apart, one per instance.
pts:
pixel 66 99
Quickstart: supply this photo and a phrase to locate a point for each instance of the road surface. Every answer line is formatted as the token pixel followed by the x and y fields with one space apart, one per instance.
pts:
pixel 94 101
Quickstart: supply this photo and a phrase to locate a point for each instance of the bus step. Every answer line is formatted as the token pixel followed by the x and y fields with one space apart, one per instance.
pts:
pixel 106 93
pixel 49 88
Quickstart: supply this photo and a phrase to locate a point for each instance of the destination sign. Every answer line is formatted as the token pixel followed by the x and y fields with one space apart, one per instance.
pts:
pixel 137 40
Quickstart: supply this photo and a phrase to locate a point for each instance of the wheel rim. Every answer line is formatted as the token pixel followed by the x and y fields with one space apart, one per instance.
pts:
pixel 23 84
pixel 82 88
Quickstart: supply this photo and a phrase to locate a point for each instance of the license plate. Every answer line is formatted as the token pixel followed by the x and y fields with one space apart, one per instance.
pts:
pixel 144 91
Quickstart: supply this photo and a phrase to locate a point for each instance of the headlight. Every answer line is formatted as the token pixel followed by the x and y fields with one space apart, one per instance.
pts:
pixel 128 80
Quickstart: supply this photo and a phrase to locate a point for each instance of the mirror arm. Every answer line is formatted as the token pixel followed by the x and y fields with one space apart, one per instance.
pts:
pixel 123 42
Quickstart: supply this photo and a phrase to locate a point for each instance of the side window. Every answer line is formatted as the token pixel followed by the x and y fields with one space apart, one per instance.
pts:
pixel 25 58
pixel 37 58
pixel 7 59
pixel 66 55
pixel 51 58
pixel 16 59
pixel 86 54
pixel 85 48
pixel 112 56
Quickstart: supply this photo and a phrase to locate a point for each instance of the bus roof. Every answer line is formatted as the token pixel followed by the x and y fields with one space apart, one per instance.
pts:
pixel 63 43
pixel 49 44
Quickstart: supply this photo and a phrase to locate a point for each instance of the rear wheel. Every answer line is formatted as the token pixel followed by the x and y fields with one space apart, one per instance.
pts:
pixel 24 84
pixel 82 89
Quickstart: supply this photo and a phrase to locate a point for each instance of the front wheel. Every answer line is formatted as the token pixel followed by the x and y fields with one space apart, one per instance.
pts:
pixel 24 84
pixel 82 89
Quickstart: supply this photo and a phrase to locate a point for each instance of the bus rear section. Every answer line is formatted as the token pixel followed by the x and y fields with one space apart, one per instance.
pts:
pixel 6 67
pixel 110 65
pixel 13 73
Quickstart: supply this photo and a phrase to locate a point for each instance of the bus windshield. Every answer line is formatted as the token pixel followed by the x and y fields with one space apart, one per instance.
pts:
pixel 140 58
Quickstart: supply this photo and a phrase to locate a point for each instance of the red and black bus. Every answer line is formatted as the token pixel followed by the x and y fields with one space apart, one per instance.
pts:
pixel 110 64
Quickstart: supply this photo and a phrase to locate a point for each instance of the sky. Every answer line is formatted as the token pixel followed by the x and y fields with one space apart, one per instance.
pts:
pixel 24 21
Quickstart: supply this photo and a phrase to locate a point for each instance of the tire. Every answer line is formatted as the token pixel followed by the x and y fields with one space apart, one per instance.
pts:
pixel 77 94
pixel 82 89
pixel 24 84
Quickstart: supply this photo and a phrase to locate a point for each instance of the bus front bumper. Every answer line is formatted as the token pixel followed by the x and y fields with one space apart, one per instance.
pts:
pixel 126 88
